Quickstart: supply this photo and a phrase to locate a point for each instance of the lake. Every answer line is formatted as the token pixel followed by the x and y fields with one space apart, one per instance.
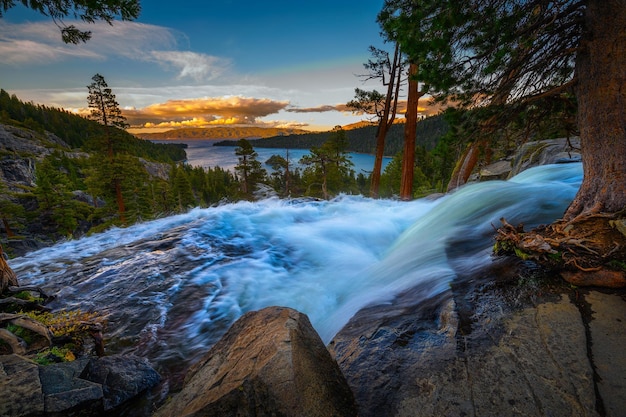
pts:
pixel 203 153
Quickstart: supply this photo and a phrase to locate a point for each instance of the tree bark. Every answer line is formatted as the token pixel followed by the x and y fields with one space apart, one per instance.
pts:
pixel 389 114
pixel 464 167
pixel 601 94
pixel 410 128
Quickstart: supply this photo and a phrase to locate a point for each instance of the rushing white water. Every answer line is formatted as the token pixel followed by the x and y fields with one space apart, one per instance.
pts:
pixel 171 287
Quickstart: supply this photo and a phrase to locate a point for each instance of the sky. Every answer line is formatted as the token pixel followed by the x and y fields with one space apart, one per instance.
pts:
pixel 203 63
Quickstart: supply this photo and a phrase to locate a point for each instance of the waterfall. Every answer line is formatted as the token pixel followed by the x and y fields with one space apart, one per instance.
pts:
pixel 171 287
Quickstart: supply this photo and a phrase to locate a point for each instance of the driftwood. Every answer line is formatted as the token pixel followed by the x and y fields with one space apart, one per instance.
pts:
pixel 17 345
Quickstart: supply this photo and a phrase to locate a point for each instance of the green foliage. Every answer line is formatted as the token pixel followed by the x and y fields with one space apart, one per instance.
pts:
pixel 53 191
pixel 249 168
pixel 328 169
pixel 86 11
pixel 511 62
pixel 75 323
pixel 360 140
pixel 55 354
pixel 78 132
pixel 12 214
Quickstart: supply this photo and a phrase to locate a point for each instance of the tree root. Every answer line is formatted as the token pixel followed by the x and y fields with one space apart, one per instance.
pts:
pixel 588 250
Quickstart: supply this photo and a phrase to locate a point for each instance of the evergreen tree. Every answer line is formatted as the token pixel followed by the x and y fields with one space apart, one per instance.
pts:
pixel 12 214
pixel 389 71
pixel 249 168
pixel 56 202
pixel 106 111
pixel 181 189
pixel 87 11
pixel 329 166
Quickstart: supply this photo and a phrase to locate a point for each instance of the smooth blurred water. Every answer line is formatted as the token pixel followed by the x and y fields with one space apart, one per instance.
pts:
pixel 171 287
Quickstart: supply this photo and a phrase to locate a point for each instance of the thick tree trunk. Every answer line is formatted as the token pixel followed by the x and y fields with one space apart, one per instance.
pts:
pixel 601 71
pixel 410 128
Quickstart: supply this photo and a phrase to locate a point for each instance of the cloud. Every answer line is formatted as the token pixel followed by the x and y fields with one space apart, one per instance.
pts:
pixel 204 111
pixel 191 64
pixel 41 42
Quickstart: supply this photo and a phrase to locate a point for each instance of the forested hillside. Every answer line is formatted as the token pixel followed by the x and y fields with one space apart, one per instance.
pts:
pixel 234 132
pixel 76 131
pixel 361 140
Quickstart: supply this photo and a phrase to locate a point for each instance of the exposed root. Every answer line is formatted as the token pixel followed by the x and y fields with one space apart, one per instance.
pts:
pixel 593 246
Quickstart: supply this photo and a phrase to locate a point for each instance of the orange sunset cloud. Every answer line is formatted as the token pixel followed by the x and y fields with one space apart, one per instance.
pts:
pixel 203 112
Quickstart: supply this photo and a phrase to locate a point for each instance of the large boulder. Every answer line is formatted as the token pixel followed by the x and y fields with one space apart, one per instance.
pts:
pixel 270 363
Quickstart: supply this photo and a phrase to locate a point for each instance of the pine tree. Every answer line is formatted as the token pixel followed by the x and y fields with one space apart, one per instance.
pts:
pixel 87 11
pixel 249 168
pixel 106 111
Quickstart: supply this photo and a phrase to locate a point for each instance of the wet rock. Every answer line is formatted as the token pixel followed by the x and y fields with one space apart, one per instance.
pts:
pixel 491 355
pixel 22 394
pixel 543 152
pixel 83 387
pixel 64 390
pixel 122 377
pixel 269 363
pixel 497 171
pixel 603 278
pixel 608 336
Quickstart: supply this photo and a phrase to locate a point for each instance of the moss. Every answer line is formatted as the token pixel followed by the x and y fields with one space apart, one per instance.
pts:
pixel 55 354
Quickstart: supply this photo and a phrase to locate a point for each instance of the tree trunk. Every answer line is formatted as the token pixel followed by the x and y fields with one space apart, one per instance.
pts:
pixel 7 228
pixel 7 276
pixel 410 128
pixel 120 201
pixel 389 114
pixel 464 167
pixel 601 94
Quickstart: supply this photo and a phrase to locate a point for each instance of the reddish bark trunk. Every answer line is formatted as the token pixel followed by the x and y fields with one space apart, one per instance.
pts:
pixel 601 95
pixel 408 161
pixel 464 166
pixel 7 228
pixel 120 201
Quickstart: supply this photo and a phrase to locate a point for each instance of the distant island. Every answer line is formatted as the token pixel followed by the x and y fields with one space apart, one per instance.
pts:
pixel 222 133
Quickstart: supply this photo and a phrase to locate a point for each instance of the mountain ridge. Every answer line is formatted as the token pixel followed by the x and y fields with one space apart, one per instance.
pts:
pixel 220 133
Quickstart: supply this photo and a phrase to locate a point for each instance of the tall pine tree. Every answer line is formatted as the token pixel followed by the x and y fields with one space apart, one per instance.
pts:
pixel 106 111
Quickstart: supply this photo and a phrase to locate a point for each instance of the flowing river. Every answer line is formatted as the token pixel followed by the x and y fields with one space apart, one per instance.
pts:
pixel 171 287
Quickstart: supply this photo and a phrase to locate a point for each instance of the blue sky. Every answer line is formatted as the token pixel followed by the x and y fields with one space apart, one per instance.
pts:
pixel 203 63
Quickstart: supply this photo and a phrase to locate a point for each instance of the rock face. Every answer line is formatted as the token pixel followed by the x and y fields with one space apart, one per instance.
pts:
pixel 530 154
pixel 121 377
pixel 269 363
pixel 482 351
pixel 83 387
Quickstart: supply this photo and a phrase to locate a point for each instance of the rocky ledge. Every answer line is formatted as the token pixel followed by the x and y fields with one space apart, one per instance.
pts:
pixel 85 387
pixel 503 342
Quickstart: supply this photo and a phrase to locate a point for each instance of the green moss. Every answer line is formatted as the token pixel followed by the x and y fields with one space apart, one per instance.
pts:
pixel 54 355
pixel 617 264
